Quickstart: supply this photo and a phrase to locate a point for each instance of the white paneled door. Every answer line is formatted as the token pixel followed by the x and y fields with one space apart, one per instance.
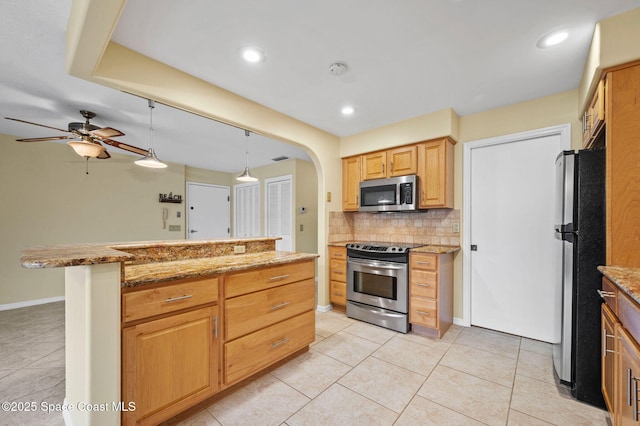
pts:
pixel 208 215
pixel 279 221
pixel 511 251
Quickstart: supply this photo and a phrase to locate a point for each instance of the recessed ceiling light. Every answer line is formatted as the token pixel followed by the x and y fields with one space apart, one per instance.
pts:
pixel 253 55
pixel 552 39
pixel 348 110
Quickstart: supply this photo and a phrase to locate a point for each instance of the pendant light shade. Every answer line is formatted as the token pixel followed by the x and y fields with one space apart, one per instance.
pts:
pixel 246 176
pixel 151 160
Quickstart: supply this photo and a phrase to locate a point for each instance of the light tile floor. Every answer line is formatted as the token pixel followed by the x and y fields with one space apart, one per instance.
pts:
pixel 354 373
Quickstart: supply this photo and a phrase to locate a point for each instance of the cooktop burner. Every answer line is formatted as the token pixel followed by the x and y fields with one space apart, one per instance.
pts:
pixel 381 247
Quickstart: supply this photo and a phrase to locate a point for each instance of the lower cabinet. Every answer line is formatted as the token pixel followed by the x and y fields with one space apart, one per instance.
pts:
pixel 169 364
pixel 609 322
pixel 338 277
pixel 431 292
pixel 628 375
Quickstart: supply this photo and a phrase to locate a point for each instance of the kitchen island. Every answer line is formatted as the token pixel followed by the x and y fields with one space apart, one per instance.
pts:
pixel 125 302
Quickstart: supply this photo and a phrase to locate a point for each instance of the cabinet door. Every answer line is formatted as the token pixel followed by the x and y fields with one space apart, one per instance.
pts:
pixel 169 364
pixel 374 165
pixel 608 357
pixel 402 161
pixel 435 170
pixel 628 374
pixel 351 183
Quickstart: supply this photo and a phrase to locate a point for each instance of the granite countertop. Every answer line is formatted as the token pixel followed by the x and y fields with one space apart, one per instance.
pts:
pixel 627 279
pixel 136 275
pixel 62 255
pixel 427 248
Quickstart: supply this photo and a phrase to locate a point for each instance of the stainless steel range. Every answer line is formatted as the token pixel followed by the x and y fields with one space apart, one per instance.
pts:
pixel 378 284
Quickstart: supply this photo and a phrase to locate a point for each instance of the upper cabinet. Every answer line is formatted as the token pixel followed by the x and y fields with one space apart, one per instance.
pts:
pixel 393 162
pixel 435 173
pixel 623 171
pixel 594 116
pixel 431 161
pixel 351 183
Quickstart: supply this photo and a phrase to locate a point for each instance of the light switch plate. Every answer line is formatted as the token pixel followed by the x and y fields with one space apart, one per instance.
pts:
pixel 456 227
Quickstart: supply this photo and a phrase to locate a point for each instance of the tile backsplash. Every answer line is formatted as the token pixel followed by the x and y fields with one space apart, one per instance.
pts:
pixel 428 227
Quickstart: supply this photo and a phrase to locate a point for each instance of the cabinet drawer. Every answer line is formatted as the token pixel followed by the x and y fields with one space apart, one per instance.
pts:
pixel 168 298
pixel 263 278
pixel 426 261
pixel 423 312
pixel 245 314
pixel 338 253
pixel 424 283
pixel 253 352
pixel 338 293
pixel 629 315
pixel 338 270
pixel 610 294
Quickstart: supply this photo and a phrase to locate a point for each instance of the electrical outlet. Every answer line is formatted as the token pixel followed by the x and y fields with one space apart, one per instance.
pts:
pixel 174 228
pixel 456 227
pixel 239 249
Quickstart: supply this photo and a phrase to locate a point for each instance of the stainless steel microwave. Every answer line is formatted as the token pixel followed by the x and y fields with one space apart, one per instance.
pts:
pixel 389 195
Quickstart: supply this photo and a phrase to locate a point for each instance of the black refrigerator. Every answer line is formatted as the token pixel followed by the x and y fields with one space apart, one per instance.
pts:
pixel 580 248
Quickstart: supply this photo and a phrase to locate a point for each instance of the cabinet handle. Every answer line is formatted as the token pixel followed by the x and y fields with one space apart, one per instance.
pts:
pixel 279 342
pixel 423 285
pixel 426 314
pixel 278 277
pixel 382 168
pixel 421 262
pixel 604 294
pixel 391 167
pixel 604 342
pixel 281 305
pixel 338 272
pixel 634 392
pixel 337 293
pixel 175 299
pixel 215 327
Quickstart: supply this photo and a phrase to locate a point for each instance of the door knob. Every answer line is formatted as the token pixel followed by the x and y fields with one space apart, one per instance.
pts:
pixel 193 230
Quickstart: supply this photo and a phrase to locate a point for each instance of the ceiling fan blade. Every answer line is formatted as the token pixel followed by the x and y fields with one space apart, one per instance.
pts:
pixel 106 132
pixel 104 155
pixel 36 124
pixel 50 138
pixel 126 147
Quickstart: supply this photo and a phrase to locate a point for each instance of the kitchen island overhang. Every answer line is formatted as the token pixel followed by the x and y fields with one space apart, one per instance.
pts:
pixel 96 276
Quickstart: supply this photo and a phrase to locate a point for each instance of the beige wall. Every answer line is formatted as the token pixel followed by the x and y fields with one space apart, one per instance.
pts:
pixel 55 202
pixel 50 200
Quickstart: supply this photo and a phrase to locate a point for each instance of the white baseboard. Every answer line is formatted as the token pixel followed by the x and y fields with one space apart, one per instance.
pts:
pixel 461 322
pixel 66 414
pixel 34 302
pixel 324 308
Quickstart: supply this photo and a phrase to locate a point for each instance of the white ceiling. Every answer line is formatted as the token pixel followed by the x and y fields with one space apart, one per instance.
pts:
pixel 405 58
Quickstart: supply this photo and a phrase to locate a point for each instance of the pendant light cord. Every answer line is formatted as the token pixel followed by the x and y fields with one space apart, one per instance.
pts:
pixel 152 105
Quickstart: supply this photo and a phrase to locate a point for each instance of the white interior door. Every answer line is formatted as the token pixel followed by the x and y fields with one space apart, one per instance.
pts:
pixel 208 215
pixel 278 211
pixel 512 196
pixel 246 208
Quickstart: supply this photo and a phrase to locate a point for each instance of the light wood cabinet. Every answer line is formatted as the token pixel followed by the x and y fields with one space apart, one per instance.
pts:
pixel 269 314
pixel 594 117
pixel 431 292
pixel 435 173
pixel 169 363
pixel 351 183
pixel 400 161
pixel 628 376
pixel 623 174
pixel 338 277
pixel 608 356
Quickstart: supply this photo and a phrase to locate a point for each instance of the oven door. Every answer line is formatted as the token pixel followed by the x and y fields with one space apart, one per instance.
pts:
pixel 378 283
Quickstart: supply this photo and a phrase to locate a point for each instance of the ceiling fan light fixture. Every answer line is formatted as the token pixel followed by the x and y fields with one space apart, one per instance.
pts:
pixel 246 176
pixel 86 148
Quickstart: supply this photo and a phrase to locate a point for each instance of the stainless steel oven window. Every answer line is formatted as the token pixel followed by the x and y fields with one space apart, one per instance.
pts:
pixel 375 285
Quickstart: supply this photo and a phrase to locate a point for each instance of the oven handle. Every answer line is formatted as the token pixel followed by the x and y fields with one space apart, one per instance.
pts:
pixel 377 264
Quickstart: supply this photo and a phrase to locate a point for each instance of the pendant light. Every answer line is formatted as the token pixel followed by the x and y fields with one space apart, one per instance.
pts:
pixel 151 160
pixel 246 176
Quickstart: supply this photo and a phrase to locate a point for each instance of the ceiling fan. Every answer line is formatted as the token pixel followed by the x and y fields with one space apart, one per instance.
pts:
pixel 91 137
